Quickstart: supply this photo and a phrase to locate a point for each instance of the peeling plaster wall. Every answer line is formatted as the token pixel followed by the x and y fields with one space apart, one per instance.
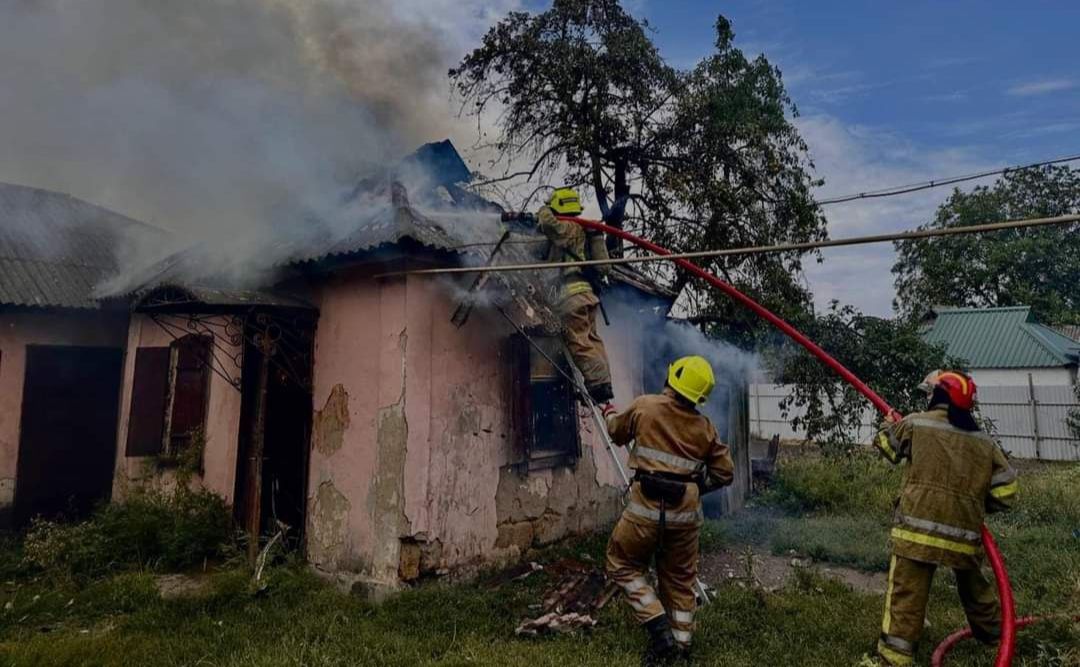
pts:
pixel 222 418
pixel 93 328
pixel 411 469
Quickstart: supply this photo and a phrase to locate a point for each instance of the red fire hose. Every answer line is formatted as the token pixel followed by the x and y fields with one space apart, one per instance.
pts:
pixel 1007 646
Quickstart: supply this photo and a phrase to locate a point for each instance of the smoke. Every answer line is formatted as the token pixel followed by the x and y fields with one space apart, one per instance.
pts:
pixel 225 119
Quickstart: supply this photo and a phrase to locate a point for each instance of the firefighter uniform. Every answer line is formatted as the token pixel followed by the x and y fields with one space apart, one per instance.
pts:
pixel 953 479
pixel 577 304
pixel 674 443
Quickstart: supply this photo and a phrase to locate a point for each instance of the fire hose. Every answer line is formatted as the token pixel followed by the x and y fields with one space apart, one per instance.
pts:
pixel 1007 645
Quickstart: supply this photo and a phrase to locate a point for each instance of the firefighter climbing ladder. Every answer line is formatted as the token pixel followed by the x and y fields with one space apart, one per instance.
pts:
pixel 577 381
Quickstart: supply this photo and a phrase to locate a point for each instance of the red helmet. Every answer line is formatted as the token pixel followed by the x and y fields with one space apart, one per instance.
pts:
pixel 959 387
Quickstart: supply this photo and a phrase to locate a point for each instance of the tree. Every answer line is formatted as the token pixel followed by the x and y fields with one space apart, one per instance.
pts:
pixel 1039 267
pixel 708 155
pixel 889 354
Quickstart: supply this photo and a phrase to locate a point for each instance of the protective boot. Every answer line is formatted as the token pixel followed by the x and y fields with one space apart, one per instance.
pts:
pixel 662 650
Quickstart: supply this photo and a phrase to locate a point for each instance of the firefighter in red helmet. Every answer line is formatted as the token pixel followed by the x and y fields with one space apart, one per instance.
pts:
pixel 956 473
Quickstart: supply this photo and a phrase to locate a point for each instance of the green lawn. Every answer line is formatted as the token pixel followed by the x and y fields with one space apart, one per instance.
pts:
pixel 117 618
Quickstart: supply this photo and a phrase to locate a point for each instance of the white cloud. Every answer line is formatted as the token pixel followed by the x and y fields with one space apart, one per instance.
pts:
pixel 855 158
pixel 1041 87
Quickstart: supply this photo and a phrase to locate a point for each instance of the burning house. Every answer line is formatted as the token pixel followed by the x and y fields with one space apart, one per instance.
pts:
pixel 61 350
pixel 394 426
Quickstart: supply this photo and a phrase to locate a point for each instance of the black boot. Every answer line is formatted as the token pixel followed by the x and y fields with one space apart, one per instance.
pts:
pixel 662 649
pixel 601 393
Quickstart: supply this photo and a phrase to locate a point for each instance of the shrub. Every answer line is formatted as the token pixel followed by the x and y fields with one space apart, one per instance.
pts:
pixel 151 529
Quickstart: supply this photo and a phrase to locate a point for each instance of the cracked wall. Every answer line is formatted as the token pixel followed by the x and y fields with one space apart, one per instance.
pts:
pixel 413 433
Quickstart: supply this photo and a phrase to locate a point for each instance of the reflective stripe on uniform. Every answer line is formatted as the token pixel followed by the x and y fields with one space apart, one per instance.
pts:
pixel 680 616
pixel 1006 491
pixel 894 657
pixel 690 465
pixel 886 621
pixel 692 516
pixel 898 643
pixel 635 585
pixel 940 528
pixel 946 426
pixel 574 288
pixel 885 444
pixel 644 602
pixel 682 636
pixel 1003 477
pixel 931 541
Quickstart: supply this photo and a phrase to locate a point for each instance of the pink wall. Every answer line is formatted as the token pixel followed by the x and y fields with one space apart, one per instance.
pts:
pixel 40 327
pixel 222 419
pixel 415 477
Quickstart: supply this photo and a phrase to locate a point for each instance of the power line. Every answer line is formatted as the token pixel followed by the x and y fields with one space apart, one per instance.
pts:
pixel 926 185
pixel 756 250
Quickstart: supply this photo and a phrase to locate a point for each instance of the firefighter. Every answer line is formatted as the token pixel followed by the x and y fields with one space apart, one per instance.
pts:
pixel 676 458
pixel 956 474
pixel 577 302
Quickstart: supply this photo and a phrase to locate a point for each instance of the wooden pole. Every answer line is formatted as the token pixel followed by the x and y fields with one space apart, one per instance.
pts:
pixel 255 459
pixel 1034 416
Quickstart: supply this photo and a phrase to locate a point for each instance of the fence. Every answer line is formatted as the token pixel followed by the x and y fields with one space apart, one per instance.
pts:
pixel 1029 421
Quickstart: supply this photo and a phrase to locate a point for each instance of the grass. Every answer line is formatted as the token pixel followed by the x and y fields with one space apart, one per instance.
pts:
pixel 118 618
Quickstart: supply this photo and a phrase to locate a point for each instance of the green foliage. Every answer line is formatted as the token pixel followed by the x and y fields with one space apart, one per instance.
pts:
pixel 709 154
pixel 889 354
pixel 1074 415
pixel 151 529
pixel 853 485
pixel 1048 495
pixel 1038 267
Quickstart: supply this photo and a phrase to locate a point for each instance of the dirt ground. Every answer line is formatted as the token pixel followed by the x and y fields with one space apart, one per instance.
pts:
pixel 759 569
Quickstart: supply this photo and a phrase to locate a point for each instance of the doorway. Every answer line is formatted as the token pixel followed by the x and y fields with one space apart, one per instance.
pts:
pixel 284 376
pixel 67 435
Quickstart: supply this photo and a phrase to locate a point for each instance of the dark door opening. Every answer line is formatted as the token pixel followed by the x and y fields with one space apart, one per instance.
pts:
pixel 67 439
pixel 286 429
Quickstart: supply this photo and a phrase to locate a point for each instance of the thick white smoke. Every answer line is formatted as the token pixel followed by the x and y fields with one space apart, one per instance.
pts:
pixel 215 119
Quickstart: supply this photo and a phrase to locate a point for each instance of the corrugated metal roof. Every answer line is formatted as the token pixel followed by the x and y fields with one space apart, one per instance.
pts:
pixel 1000 338
pixel 54 248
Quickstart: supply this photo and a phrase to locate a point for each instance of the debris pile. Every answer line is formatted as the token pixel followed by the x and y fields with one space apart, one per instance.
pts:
pixel 578 592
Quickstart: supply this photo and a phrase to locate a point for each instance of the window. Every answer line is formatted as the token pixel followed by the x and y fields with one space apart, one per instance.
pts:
pixel 168 397
pixel 544 408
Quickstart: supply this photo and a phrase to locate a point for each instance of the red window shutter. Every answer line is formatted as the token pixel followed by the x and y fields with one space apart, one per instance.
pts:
pixel 148 394
pixel 190 386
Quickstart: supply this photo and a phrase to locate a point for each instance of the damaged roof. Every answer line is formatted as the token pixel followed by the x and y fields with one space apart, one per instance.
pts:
pixel 55 249
pixel 432 211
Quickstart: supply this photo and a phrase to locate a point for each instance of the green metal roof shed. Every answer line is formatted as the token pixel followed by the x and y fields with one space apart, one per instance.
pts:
pixel 1000 338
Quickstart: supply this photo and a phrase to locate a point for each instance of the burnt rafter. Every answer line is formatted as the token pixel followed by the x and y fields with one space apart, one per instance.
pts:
pixel 286 339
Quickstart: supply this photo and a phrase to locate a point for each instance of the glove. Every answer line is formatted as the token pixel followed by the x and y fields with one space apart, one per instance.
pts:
pixel 519 218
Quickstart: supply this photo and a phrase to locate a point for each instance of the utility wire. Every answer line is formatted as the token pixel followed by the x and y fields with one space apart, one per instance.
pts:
pixel 756 250
pixel 926 185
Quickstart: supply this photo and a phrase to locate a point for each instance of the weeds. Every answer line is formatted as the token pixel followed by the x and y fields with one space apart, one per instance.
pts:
pixel 151 529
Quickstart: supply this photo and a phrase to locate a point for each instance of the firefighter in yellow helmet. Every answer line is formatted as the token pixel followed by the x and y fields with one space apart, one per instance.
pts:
pixel 956 473
pixel 677 456
pixel 576 301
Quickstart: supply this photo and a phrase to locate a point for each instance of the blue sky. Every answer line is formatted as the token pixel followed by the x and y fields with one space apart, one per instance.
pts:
pixel 892 93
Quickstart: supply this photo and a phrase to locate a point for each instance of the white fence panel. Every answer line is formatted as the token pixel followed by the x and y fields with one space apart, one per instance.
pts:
pixel 1030 421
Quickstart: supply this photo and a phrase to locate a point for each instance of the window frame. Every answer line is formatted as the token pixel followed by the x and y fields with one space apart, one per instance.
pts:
pixel 536 445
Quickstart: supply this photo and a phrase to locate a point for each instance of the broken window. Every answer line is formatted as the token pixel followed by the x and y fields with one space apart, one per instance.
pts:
pixel 190 375
pixel 545 412
pixel 169 396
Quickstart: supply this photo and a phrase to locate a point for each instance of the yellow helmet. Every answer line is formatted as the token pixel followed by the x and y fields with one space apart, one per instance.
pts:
pixel 692 378
pixel 565 201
